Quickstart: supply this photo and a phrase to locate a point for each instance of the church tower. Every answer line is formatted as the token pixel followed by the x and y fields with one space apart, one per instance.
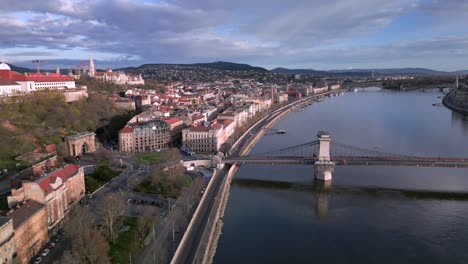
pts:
pixel 91 67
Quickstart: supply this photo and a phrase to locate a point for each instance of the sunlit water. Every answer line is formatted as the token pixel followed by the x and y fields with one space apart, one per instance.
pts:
pixel 278 214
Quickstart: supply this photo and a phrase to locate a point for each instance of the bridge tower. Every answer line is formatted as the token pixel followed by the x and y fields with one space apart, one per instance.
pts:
pixel 324 166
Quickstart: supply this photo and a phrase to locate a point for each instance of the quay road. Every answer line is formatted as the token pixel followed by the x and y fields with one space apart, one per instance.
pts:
pixel 196 243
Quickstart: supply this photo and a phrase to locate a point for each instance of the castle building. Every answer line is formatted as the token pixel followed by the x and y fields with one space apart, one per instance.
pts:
pixel 119 78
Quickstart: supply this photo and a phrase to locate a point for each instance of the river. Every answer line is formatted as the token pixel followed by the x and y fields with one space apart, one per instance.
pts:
pixel 279 214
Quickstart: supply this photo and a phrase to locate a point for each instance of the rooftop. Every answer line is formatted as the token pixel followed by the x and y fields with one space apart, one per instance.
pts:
pixel 4 81
pixel 47 181
pixel 28 210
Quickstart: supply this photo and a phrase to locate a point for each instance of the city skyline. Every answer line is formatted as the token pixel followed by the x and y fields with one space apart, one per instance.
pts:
pixel 319 35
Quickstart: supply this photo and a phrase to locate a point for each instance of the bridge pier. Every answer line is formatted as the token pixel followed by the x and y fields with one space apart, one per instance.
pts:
pixel 324 167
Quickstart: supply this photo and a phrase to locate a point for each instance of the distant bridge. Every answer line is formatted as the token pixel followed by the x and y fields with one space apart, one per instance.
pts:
pixel 324 155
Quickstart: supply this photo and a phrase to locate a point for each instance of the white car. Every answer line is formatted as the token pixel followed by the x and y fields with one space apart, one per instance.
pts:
pixel 38 260
pixel 45 252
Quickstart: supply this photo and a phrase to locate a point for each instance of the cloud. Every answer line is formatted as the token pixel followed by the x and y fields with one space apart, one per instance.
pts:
pixel 260 32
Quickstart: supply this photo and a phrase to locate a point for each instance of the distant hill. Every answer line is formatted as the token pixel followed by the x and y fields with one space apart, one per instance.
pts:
pixel 20 69
pixel 299 71
pixel 229 66
pixel 321 73
pixel 390 71
pixel 219 65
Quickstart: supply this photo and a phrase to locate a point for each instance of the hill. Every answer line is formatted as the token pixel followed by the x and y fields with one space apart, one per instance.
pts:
pixel 219 65
pixel 364 72
pixel 229 66
pixel 20 69
pixel 299 71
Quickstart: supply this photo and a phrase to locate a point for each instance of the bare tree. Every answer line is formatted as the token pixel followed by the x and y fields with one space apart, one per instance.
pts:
pixel 146 221
pixel 80 230
pixel 111 210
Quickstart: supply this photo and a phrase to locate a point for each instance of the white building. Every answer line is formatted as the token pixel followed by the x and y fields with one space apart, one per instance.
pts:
pixel 120 78
pixel 32 82
pixel 208 138
pixel 9 88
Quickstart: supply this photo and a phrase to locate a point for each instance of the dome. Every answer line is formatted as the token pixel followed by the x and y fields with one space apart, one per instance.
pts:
pixel 4 66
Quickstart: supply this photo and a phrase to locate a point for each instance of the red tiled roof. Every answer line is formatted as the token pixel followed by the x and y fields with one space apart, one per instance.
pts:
pixel 64 174
pixel 199 128
pixel 216 126
pixel 127 129
pixel 172 120
pixel 38 77
pixel 4 81
pixel 199 116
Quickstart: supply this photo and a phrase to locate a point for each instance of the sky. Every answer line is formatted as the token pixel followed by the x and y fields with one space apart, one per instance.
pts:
pixel 307 34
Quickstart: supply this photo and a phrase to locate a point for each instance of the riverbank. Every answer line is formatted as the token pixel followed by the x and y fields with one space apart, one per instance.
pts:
pixel 418 87
pixel 244 146
pixel 449 102
pixel 200 239
pixel 265 220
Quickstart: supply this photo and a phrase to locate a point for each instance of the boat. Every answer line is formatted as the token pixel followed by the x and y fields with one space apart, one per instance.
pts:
pixel 281 131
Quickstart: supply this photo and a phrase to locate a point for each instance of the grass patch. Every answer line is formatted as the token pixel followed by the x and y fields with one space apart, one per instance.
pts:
pixel 152 158
pixel 165 185
pixel 94 181
pixel 127 242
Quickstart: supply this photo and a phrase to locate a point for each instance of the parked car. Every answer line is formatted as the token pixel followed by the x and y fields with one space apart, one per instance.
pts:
pixel 51 245
pixel 45 252
pixel 38 260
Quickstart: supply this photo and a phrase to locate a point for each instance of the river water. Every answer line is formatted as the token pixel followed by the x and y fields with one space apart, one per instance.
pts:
pixel 279 214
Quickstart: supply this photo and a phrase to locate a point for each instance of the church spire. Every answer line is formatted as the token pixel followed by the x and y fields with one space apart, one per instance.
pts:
pixel 91 67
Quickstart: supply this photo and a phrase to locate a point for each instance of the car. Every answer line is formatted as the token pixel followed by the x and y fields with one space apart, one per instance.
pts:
pixel 51 245
pixel 45 252
pixel 38 260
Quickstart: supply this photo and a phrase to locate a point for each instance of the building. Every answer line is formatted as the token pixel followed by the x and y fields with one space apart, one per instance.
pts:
pixel 120 78
pixel 281 97
pixel 148 136
pixel 7 243
pixel 34 82
pixel 125 103
pixel 142 101
pixel 81 143
pixel 58 191
pixel 320 88
pixel 208 138
pixel 334 86
pixel 9 87
pixel 30 225
pixel 175 127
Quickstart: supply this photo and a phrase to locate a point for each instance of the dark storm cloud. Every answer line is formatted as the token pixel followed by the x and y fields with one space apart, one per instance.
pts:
pixel 262 32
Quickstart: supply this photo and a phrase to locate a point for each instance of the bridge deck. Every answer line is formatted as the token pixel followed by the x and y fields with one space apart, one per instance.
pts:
pixel 350 160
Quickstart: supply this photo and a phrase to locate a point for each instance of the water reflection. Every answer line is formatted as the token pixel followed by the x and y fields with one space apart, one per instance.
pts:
pixel 460 120
pixel 322 193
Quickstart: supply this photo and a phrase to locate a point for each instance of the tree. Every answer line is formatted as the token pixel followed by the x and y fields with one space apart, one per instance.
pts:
pixel 111 210
pixel 146 221
pixel 88 245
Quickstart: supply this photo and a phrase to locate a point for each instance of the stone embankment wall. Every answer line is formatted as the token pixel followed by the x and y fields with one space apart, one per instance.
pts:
pixel 449 102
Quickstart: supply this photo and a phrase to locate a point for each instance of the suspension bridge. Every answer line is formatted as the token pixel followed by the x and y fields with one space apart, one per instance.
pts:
pixel 325 154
